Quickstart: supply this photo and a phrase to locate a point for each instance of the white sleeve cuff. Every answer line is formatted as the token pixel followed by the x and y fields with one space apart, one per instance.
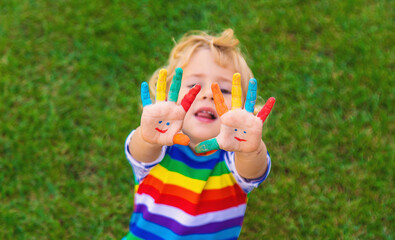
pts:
pixel 141 169
pixel 246 184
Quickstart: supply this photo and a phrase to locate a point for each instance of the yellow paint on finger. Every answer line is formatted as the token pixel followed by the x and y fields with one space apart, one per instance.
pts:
pixel 161 86
pixel 236 91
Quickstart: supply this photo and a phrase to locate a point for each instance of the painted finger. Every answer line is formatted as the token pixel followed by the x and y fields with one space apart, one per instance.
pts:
pixel 181 139
pixel 236 91
pixel 175 86
pixel 219 101
pixel 207 145
pixel 266 109
pixel 251 95
pixel 161 86
pixel 145 98
pixel 188 99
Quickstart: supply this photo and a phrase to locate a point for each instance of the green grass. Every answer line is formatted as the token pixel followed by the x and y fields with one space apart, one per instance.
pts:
pixel 69 94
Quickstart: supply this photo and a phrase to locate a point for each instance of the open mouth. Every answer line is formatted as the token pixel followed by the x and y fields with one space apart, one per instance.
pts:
pixel 206 115
pixel 161 131
pixel 240 139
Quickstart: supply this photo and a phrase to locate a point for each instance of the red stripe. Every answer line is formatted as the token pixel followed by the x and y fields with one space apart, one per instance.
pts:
pixel 206 195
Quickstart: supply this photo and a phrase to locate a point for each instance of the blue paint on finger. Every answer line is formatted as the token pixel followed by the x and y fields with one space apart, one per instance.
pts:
pixel 145 97
pixel 251 95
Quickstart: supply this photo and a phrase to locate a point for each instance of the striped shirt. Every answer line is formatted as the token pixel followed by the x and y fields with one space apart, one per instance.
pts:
pixel 184 196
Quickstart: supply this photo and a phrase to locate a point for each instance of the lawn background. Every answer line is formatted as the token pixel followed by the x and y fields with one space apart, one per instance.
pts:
pixel 70 73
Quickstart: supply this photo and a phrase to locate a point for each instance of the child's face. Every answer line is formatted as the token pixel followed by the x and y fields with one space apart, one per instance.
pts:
pixel 202 121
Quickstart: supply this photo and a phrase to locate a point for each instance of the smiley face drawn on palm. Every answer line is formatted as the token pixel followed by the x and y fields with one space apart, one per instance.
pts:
pixel 240 131
pixel 161 122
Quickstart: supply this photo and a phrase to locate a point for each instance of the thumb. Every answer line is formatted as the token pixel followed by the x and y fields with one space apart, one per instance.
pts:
pixel 181 139
pixel 208 145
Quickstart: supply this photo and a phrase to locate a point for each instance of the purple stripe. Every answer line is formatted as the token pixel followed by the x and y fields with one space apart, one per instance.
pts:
pixel 180 229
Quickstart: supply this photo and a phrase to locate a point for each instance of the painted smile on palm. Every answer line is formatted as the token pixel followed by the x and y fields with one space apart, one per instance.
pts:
pixel 162 130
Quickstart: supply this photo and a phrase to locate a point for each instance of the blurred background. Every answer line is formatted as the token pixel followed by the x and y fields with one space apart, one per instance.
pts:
pixel 70 74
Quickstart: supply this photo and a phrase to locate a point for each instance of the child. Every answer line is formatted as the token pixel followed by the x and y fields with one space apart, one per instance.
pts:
pixel 194 159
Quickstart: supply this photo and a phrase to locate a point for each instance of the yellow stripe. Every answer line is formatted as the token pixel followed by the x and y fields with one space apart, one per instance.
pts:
pixel 195 185
pixel 161 86
pixel 236 91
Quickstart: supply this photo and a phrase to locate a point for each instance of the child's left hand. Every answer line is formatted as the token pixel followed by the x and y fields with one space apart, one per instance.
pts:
pixel 241 131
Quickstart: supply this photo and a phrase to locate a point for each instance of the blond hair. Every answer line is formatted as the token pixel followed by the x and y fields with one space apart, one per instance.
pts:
pixel 224 48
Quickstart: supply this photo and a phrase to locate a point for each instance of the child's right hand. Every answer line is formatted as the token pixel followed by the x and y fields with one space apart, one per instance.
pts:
pixel 162 121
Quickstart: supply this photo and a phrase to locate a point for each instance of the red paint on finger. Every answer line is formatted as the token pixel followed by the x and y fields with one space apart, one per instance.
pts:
pixel 188 99
pixel 266 109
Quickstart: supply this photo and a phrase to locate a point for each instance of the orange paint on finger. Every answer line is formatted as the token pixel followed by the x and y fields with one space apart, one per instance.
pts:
pixel 181 139
pixel 219 101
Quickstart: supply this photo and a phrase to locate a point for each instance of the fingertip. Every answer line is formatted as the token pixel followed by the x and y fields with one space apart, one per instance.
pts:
pixel 214 85
pixel 236 76
pixel 162 71
pixel 197 87
pixel 179 71
pixel 253 81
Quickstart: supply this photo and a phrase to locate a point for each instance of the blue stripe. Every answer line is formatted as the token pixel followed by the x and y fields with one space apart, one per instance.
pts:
pixel 140 227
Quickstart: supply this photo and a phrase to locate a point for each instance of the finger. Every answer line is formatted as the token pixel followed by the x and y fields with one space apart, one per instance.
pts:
pixel 207 145
pixel 251 95
pixel 236 91
pixel 161 86
pixel 188 99
pixel 181 139
pixel 266 109
pixel 145 98
pixel 219 101
pixel 175 86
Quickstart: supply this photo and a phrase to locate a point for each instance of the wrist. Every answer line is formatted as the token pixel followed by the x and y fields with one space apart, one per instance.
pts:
pixel 147 142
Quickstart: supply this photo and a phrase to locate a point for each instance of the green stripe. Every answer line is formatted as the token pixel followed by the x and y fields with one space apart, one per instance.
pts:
pixel 199 174
pixel 130 236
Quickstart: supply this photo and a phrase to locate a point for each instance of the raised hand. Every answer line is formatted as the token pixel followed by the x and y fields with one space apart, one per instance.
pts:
pixel 241 131
pixel 162 121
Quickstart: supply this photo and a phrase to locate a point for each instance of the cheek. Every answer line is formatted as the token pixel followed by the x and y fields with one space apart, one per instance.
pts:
pixel 228 100
pixel 181 94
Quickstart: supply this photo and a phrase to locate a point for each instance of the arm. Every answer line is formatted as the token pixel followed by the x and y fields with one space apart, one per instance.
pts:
pixel 142 150
pixel 252 165
pixel 162 121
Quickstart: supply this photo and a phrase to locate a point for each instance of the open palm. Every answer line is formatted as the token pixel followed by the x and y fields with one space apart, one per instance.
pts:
pixel 162 121
pixel 241 131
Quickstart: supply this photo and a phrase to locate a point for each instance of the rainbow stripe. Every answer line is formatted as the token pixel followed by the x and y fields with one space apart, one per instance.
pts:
pixel 188 197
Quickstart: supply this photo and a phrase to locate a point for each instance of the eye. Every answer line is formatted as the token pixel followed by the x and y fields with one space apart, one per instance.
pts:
pixel 160 122
pixel 191 85
pixel 168 123
pixel 225 91
pixel 245 132
pixel 235 130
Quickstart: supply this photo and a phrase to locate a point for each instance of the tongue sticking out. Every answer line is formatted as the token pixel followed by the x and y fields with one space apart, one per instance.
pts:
pixel 205 115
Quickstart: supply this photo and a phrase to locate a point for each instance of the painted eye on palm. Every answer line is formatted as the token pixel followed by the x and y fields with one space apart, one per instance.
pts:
pixel 161 125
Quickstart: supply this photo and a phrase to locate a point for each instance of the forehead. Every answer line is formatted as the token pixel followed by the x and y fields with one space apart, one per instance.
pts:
pixel 204 61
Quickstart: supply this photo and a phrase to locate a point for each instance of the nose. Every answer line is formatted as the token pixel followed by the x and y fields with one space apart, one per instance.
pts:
pixel 206 93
